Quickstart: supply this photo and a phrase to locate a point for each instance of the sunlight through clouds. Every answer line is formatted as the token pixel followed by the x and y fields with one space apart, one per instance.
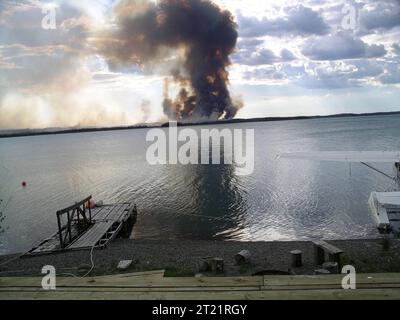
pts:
pixel 291 59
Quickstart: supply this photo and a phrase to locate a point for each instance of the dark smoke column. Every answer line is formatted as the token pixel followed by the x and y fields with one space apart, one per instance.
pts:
pixel 206 34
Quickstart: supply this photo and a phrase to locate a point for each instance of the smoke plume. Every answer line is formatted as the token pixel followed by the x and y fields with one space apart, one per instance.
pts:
pixel 201 36
pixel 145 108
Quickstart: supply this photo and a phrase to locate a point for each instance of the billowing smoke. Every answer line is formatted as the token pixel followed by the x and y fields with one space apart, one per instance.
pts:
pixel 146 110
pixel 201 36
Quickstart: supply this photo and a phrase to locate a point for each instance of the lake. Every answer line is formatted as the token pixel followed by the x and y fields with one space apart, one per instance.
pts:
pixel 282 200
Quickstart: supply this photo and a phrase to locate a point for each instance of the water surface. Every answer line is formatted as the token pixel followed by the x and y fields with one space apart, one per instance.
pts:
pixel 281 200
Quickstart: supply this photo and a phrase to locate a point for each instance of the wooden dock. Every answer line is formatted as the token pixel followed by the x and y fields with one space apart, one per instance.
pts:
pixel 153 286
pixel 87 228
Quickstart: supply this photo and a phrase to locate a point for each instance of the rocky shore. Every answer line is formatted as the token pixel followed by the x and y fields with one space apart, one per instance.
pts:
pixel 181 258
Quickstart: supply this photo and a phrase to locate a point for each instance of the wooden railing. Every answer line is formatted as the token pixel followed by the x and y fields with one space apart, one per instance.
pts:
pixel 79 219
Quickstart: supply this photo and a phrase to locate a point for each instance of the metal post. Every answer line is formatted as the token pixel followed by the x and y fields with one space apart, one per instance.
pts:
pixel 90 214
pixel 59 231
pixel 69 227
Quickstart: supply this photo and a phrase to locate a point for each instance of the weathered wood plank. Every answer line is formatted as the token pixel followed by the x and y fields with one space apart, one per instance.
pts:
pixel 103 217
pixel 327 247
pixel 330 279
pixel 99 213
pixel 383 294
pixel 132 289
pixel 102 225
pixel 136 282
pixel 266 281
pixel 333 286
pixel 116 211
pixel 134 274
pixel 152 286
pixel 92 236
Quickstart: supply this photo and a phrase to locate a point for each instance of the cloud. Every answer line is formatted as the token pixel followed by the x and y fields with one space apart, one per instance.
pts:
pixel 253 52
pixel 249 43
pixel 36 56
pixel 381 15
pixel 292 70
pixel 38 66
pixel 396 48
pixel 22 24
pixel 44 77
pixel 57 78
pixel 287 55
pixel 339 47
pixel 340 74
pixel 263 73
pixel 322 74
pixel 298 21
pixel 391 75
pixel 262 56
pixel 326 81
pixel 366 68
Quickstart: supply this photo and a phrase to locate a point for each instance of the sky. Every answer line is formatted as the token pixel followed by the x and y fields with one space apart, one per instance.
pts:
pixel 292 58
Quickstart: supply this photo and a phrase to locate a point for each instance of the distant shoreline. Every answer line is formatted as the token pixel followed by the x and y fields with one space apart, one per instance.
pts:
pixel 41 132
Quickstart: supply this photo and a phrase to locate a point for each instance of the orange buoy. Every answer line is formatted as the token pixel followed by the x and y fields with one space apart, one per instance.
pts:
pixel 90 204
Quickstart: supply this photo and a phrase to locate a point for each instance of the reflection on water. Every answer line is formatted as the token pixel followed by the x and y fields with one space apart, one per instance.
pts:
pixel 218 202
pixel 281 200
pixel 206 203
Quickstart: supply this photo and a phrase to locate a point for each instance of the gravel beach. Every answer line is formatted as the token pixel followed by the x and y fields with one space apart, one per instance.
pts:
pixel 181 258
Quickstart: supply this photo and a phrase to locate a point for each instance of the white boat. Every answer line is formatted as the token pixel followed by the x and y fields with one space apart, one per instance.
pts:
pixel 384 206
pixel 385 209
